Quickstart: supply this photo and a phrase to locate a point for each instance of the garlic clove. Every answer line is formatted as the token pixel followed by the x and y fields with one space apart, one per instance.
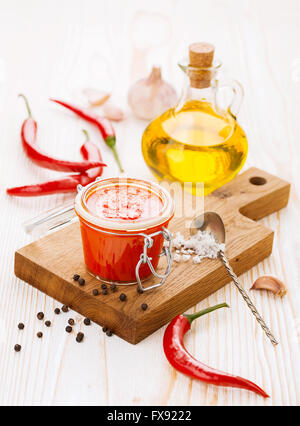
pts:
pixel 270 283
pixel 151 96
pixel 112 112
pixel 95 97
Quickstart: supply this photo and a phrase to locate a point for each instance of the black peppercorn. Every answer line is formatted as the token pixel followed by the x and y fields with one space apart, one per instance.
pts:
pixel 95 292
pixel 57 311
pixel 81 281
pixel 140 291
pixel 87 321
pixel 69 329
pixel 104 329
pixel 21 326
pixel 65 308
pixel 39 334
pixel 79 337
pixel 109 333
pixel 18 348
pixel 144 306
pixel 71 321
pixel 40 315
pixel 103 286
pixel 123 297
pixel 113 287
pixel 76 277
pixel 48 323
pixel 105 292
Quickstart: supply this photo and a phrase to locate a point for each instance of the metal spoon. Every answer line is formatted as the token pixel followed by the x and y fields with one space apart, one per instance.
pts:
pixel 213 223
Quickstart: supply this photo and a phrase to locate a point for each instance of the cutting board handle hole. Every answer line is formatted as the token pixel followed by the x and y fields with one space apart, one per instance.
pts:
pixel 257 180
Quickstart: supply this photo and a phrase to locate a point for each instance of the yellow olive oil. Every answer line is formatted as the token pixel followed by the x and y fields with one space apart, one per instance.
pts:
pixel 195 144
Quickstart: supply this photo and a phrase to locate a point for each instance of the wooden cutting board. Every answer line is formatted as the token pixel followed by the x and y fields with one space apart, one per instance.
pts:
pixel 50 263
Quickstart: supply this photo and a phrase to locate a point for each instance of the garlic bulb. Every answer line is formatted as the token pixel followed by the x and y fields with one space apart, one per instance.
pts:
pixel 270 283
pixel 151 96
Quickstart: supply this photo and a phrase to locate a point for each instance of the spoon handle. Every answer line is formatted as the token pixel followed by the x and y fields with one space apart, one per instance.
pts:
pixel 247 299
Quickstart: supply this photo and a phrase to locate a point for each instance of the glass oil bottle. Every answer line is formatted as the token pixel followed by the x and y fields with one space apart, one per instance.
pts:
pixel 198 141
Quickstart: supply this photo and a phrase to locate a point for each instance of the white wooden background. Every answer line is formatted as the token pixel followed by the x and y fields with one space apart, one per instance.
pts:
pixel 56 48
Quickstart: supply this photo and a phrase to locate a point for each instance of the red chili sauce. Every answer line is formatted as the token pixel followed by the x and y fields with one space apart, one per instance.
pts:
pixel 124 202
pixel 113 257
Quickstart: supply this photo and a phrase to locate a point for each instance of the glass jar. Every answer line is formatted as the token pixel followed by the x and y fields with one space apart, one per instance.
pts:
pixel 115 244
pixel 123 240
pixel 198 141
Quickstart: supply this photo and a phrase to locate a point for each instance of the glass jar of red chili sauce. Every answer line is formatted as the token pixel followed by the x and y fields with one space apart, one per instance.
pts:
pixel 123 227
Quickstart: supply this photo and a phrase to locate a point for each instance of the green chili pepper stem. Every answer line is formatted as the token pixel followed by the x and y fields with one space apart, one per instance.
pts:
pixel 192 317
pixel 111 142
pixel 86 135
pixel 113 148
pixel 27 104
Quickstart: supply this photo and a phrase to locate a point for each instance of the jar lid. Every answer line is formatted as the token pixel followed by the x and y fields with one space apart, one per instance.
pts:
pixel 160 216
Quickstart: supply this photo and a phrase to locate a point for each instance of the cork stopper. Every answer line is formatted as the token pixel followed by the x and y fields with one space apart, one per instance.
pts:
pixel 201 56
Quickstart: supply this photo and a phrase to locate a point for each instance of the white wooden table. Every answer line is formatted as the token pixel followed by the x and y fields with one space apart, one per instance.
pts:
pixel 58 47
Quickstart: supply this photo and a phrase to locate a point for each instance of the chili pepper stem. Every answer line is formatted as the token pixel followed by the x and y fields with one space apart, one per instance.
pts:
pixel 111 142
pixel 115 153
pixel 192 317
pixel 27 104
pixel 86 135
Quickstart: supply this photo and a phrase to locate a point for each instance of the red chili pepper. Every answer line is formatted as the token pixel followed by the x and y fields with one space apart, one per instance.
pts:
pixel 29 135
pixel 184 362
pixel 104 125
pixel 90 151
pixel 65 184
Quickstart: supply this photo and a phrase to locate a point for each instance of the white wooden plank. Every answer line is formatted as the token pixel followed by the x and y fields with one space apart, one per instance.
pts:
pixel 111 44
